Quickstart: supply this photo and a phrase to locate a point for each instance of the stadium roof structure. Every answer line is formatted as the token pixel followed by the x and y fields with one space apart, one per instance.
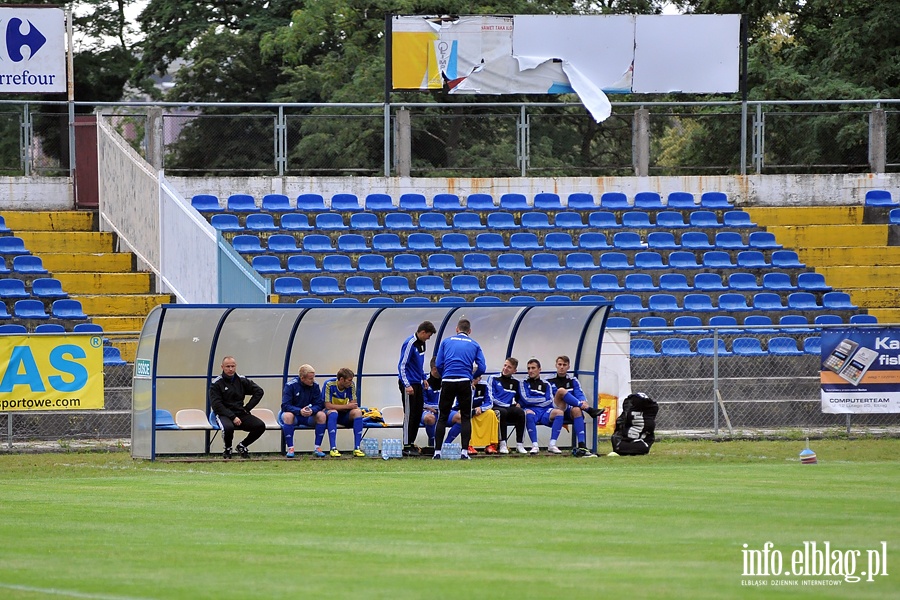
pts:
pixel 181 348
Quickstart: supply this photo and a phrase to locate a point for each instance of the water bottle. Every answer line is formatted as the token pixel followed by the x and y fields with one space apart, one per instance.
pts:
pixel 398 449
pixel 385 449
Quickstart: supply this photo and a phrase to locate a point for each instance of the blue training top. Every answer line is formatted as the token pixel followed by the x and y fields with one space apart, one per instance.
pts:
pixel 455 358
pixel 296 395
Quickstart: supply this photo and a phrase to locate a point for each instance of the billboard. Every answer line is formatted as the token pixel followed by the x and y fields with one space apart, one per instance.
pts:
pixel 860 370
pixel 32 50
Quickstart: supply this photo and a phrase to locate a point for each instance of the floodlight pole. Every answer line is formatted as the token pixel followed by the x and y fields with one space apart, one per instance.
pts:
pixel 743 84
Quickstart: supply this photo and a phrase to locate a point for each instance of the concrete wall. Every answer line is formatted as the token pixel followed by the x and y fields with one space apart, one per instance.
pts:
pixel 36 193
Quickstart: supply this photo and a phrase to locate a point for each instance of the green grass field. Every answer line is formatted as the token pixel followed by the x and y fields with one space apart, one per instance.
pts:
pixel 669 525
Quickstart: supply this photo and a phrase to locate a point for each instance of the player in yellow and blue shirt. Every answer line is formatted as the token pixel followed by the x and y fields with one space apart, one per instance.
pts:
pixel 342 403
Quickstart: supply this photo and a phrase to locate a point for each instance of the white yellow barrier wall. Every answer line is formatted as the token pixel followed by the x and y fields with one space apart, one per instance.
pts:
pixel 51 372
pixel 182 346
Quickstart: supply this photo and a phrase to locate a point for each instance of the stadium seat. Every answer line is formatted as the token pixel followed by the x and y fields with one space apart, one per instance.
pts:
pixel 558 240
pixel 536 220
pixel 650 200
pixel 569 220
pixel 524 241
pixel 657 323
pixel 226 222
pixel 345 203
pixel 636 219
pixel 570 283
pixel 522 299
pixel 711 347
pixel 47 287
pixel 628 303
pixel 302 263
pixel 442 262
pixel 812 345
pixel 729 240
pixel 768 301
pixel 501 284
pixel 814 282
pixel 649 260
pixel 242 203
pixel 366 221
pixel 490 241
pixel 828 320
pixel 345 300
pixel 603 220
pixel 325 285
pixel 12 245
pixel 49 328
pixel 605 282
pixel 379 203
pixel 592 240
pixel 794 324
pixel 430 284
pixel 467 220
pixel 747 346
pixel 477 262
pixel 482 202
pixel 13 288
pixel 784 346
pixel 714 200
pixel 670 220
pixel 164 420
pixel 663 303
pixel 547 201
pixel 337 263
pixel 246 244
pixel 87 328
pixel 708 282
pixel 778 281
pixel 315 242
pixel 662 240
pixel 837 301
pixel 395 284
pixel 733 302
pixel 311 203
pixel 465 284
pixel 512 262
pixel 295 222
pixel 752 259
pixel 288 286
pixel 591 298
pixel 676 347
pixel 642 348
pixel 725 323
pixel 680 200
pixel 698 303
pixel 763 240
pixel 879 198
pixel 260 222
pixel 640 282
pixel 112 357
pixel 803 301
pixel 387 242
pixel 618 323
pixel 737 218
pixel 372 263
pixel 759 323
pixel 894 216
pixel 352 243
pixel 864 320
pixel 695 240
pixel 398 221
pixel 557 298
pixel 580 201
pixel 12 329
pixel 704 218
pixel 65 309
pixel 28 264
pixel 310 301
pixel 446 299
pixel 717 259
pixel 535 283
pixel 514 202
pixel 456 242
pixel 266 263
pixel 786 259
pixel 743 281
pixel 276 203
pixel 627 240
pixel 482 298
pixel 614 261
pixel 682 260
pixel 688 325
pixel 381 300
pixel 433 221
pixel 674 282
pixel 421 242
pixel 501 220
pixel 206 203
pixel 545 262
pixel 408 263
pixel 413 202
pixel 614 201
pixel 277 243
pixel 580 261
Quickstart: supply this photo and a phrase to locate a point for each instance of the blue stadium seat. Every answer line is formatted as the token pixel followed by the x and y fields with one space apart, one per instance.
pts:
pixel 726 324
pixel 302 263
pixel 13 288
pixel 828 320
pixel 337 263
pixel 759 323
pixel 512 262
pixel 681 260
pixel 325 285
pixel 864 320
pixel 710 347
pixel 28 264
pixel 676 347
pixel 112 357
pixel 501 284
pixel 379 203
pixel 804 301
pixel 657 323
pixel 569 220
pixel 431 284
pixel 894 216
pixel 769 301
pixel 226 222
pixel 812 345
pixel 733 302
pixel 381 300
pixel 311 203
pixel 267 264
pixel 467 220
pixel 786 259
pixel 743 282
pixel 242 203
pixel 648 200
pixel 763 240
pixel 399 221
pixel 558 240
pixel 524 241
pixel 536 220
pixel 246 244
pixel 87 328
pixel 627 240
pixel 730 240
pixel 345 203
pixel 662 240
pixel 164 420
pixel 837 301
pixel 784 346
pixel 628 303
pixel 814 282
pixel 448 299
pixel 708 282
pixel 395 284
pixel 65 309
pixel 794 324
pixel 295 222
pixel 717 259
pixel 276 203
pixel 314 242
pixel 12 328
pixel 641 348
pixel 649 260
pixel 387 242
pixel 663 303
pixel 408 263
pixel 688 325
pixel 714 200
pixel 737 218
pixel 580 261
pixel 277 243
pixel 670 219
pixel 259 222
pixel 482 298
pixel 345 300
pixel 455 242
pixel 592 240
pixel 310 301
pixel 372 263
pixel 514 202
pixel 614 201
pixel 47 287
pixel 352 243
pixel 640 282
pixel 547 201
pixel 288 286
pixel 442 262
pixel 570 283
pixel 778 281
pixel 366 221
pixel 557 298
pixel 545 262
pixel 704 218
pixel 580 201
pixel 747 346
pixel 879 198
pixel 522 299
pixel 206 203
pixel 636 219
pixel 752 259
pixel 477 262
pixel 11 245
pixel 482 202
pixel 618 323
pixel 421 242
pixel 501 220
pixel 614 261
pixel 413 202
pixel 465 284
pixel 695 240
pixel 680 200
pixel 490 241
pixel 603 220
pixel 674 282
pixel 605 282
pixel 535 283
pixel 698 303
pixel 433 221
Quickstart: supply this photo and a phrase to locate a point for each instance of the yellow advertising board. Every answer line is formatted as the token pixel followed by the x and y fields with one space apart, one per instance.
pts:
pixel 51 372
pixel 606 423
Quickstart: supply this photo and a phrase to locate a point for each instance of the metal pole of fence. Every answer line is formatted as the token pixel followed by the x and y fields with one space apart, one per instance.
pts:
pixel 9 430
pixel 848 424
pixel 715 381
pixel 744 94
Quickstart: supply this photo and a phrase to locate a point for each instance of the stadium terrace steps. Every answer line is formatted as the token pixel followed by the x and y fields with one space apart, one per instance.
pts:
pixel 105 283
pixel 75 242
pixel 73 220
pixel 769 216
pixel 104 262
pixel 823 236
pixel 850 256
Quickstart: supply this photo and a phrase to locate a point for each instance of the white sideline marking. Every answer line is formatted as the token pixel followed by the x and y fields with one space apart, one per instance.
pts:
pixel 69 593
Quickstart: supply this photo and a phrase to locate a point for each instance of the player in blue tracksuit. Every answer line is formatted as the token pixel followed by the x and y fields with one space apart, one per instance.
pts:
pixel 481 401
pixel 412 382
pixel 459 360
pixel 567 394
pixel 342 403
pixel 505 392
pixel 301 404
pixel 537 400
pixel 431 402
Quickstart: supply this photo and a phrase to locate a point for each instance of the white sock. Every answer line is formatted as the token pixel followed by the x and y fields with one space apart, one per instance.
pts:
pixel 503 444
pixel 552 442
pixel 520 446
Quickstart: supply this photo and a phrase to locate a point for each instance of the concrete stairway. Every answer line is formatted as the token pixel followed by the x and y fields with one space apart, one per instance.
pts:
pixel 111 291
pixel 840 243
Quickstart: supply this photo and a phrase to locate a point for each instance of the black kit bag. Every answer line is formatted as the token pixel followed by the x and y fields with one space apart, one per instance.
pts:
pixel 634 433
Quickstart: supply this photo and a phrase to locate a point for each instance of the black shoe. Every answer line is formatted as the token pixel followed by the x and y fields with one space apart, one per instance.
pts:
pixel 227 454
pixel 411 451
pixel 582 453
pixel 436 456
pixel 594 412
pixel 465 457
pixel 242 450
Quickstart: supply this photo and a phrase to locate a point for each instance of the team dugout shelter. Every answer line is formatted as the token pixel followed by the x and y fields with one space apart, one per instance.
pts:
pixel 181 348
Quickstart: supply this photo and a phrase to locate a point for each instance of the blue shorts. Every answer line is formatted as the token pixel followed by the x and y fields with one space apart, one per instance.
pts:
pixel 541 415
pixel 428 412
pixel 344 419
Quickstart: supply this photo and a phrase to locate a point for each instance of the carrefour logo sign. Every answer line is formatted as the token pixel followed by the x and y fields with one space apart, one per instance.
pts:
pixel 32 50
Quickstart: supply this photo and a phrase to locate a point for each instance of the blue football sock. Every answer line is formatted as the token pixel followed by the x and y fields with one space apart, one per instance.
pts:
pixel 454 431
pixel 332 428
pixel 531 427
pixel 320 434
pixel 571 400
pixel 556 427
pixel 429 431
pixel 578 425
pixel 288 430
pixel 357 431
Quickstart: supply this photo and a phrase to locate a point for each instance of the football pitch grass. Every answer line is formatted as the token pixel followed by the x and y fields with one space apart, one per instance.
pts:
pixel 669 525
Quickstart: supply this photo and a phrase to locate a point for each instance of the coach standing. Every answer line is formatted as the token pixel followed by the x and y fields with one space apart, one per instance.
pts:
pixel 413 381
pixel 460 361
